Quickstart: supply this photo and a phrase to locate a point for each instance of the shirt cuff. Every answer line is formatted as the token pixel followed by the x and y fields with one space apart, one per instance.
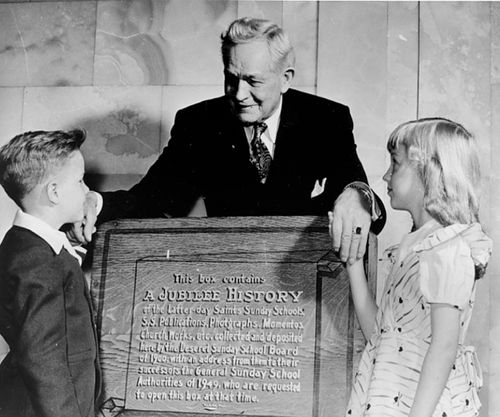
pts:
pixel 369 195
pixel 99 201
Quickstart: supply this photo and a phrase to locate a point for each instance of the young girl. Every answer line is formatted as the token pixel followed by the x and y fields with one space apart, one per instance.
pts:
pixel 415 362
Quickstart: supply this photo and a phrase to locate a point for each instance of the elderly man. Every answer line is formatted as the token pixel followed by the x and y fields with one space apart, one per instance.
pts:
pixel 261 149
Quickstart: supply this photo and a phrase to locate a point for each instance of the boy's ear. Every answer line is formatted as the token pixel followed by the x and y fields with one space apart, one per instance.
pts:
pixel 52 192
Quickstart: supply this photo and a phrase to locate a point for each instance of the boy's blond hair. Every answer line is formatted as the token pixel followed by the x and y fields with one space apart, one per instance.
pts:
pixel 29 158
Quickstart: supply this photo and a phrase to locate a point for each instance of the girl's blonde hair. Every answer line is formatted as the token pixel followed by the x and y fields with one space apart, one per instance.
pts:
pixel 447 160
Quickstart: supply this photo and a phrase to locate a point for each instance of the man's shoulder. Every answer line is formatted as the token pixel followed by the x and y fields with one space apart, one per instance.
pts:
pixel 209 106
pixel 315 111
pixel 201 115
pixel 307 99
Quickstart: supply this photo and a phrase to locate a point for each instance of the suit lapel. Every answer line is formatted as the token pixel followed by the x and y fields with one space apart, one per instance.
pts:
pixel 232 134
pixel 288 149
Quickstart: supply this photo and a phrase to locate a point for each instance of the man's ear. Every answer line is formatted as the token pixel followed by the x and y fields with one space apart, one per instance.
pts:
pixel 52 192
pixel 287 78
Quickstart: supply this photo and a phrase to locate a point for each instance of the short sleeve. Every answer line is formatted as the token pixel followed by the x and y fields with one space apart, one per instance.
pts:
pixel 447 273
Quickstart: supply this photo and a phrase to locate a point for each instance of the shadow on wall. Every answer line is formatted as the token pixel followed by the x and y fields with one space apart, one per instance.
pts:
pixel 119 149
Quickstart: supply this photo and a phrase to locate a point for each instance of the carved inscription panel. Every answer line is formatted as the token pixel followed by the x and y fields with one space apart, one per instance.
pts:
pixel 223 338
pixel 222 317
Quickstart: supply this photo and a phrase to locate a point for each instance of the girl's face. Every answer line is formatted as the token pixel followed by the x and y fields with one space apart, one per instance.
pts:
pixel 404 186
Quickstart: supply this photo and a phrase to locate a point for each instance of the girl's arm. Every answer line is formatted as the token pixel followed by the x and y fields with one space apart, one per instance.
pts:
pixel 445 323
pixel 364 303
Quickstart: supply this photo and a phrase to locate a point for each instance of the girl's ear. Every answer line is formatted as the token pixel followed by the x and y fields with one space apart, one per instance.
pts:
pixel 52 192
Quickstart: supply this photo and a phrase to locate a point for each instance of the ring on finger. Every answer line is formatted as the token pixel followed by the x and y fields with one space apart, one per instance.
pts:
pixel 357 230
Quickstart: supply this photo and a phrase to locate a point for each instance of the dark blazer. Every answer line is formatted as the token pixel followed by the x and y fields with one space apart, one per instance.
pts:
pixel 208 156
pixel 46 319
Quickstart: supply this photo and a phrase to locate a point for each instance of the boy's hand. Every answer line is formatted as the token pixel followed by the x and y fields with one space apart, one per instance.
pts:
pixel 350 223
pixel 80 233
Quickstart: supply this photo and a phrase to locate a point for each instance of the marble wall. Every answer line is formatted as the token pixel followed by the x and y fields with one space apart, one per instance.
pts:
pixel 121 69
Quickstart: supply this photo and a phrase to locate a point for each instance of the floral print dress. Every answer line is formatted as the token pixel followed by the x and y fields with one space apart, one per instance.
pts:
pixel 434 264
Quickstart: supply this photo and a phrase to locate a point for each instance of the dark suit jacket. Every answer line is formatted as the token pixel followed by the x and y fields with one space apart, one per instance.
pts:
pixel 45 317
pixel 208 156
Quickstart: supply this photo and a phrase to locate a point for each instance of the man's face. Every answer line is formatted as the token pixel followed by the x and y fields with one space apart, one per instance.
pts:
pixel 251 82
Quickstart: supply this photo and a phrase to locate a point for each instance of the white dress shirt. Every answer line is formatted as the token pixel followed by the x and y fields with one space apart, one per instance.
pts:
pixel 56 239
pixel 269 135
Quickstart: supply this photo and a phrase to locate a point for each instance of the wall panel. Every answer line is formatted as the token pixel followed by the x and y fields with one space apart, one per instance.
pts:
pixel 47 43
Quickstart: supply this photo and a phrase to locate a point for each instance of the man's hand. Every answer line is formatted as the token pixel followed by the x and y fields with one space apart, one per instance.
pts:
pixel 80 233
pixel 349 226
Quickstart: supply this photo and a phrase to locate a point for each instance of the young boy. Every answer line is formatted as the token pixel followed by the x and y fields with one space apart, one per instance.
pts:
pixel 45 311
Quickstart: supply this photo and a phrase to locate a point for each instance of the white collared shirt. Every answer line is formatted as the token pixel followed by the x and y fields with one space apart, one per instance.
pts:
pixel 56 239
pixel 269 135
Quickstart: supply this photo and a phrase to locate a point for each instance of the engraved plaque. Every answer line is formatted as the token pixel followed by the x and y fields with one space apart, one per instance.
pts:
pixel 228 317
pixel 222 337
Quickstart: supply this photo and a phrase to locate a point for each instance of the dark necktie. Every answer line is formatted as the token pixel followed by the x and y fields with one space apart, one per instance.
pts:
pixel 260 155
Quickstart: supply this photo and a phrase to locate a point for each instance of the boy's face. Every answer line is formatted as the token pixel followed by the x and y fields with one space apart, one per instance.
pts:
pixel 71 188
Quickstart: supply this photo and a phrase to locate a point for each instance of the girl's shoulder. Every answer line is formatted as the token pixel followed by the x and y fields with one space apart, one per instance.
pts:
pixel 469 236
pixel 448 260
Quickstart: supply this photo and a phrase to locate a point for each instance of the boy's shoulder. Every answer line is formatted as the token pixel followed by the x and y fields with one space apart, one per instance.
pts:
pixel 17 235
pixel 26 260
pixel 22 246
